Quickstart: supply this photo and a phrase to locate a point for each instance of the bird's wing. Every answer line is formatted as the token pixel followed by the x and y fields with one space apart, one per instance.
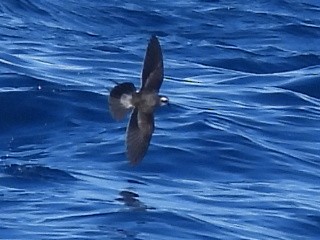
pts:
pixel 152 73
pixel 139 133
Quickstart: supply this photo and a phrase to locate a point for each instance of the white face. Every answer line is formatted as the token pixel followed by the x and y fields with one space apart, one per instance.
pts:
pixel 164 100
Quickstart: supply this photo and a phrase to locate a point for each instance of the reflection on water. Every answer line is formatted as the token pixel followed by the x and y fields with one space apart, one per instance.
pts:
pixel 130 199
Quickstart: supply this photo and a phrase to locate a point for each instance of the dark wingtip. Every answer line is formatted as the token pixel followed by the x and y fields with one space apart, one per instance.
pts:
pixel 136 157
pixel 154 40
pixel 134 161
pixel 153 37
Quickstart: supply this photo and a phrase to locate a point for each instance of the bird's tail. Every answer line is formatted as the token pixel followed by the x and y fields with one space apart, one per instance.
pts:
pixel 120 100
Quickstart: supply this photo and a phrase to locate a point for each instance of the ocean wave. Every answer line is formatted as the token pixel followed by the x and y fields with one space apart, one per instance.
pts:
pixel 235 153
pixel 35 173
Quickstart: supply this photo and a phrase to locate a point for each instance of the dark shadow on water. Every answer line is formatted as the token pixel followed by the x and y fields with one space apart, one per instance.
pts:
pixel 130 199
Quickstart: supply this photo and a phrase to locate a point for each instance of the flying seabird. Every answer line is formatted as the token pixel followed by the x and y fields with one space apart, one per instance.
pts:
pixel 124 97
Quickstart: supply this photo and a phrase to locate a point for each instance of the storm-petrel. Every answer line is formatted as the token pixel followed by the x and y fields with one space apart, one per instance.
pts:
pixel 124 98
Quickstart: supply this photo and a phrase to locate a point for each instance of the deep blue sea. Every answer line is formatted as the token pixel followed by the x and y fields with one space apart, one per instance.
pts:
pixel 236 154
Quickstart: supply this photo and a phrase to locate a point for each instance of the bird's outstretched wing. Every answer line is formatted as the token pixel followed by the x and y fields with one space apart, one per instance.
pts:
pixel 152 73
pixel 120 100
pixel 139 133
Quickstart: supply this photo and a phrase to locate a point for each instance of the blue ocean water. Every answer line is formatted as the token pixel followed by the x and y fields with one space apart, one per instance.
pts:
pixel 236 154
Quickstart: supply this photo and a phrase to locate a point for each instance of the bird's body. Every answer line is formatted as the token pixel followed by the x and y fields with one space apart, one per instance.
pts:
pixel 146 101
pixel 124 98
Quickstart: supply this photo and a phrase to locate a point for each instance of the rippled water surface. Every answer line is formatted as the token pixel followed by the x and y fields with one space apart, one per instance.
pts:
pixel 234 156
